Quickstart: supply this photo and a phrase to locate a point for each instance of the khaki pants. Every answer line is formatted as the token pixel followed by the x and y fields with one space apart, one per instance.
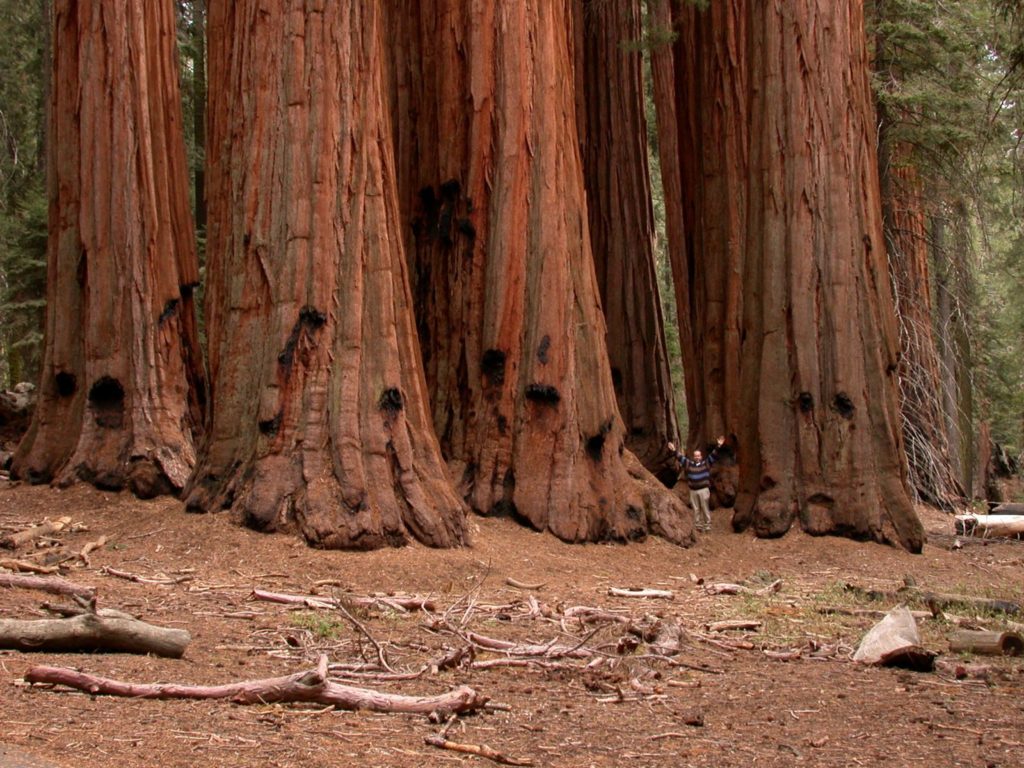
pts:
pixel 701 511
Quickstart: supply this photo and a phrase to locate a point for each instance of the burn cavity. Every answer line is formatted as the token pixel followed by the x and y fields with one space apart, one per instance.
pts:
pixel 310 320
pixel 542 394
pixel 67 384
pixel 492 366
pixel 106 401
pixel 391 401
pixel 843 405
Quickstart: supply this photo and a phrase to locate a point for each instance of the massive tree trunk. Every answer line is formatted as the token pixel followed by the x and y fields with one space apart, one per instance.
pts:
pixel 613 138
pixel 819 425
pixel 509 313
pixel 121 378
pixel 319 407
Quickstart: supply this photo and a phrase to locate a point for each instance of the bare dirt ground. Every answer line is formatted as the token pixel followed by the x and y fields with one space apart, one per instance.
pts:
pixel 783 694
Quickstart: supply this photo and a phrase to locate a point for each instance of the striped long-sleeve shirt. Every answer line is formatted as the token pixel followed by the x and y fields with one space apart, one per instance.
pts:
pixel 698 473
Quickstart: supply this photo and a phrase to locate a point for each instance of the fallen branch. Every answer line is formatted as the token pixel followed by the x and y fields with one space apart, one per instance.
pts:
pixel 549 650
pixel 739 589
pixel 93 631
pixel 662 594
pixel 474 749
pixel 51 584
pixel 163 581
pixel 587 615
pixel 25 566
pixel 734 624
pixel 323 602
pixel 15 540
pixel 310 686
pixel 523 585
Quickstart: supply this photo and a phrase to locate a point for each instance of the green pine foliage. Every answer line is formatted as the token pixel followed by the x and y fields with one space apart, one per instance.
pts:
pixel 23 208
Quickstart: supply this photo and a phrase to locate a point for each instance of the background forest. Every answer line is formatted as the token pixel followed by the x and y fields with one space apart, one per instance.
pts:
pixel 948 82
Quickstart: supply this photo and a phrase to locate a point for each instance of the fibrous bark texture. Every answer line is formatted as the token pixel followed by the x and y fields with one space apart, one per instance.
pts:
pixel 319 408
pixel 820 428
pixel 613 138
pixel 712 138
pixel 508 306
pixel 121 387
pixel 931 472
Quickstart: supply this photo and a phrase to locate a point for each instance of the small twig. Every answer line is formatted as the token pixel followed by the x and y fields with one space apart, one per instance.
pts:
pixel 381 655
pixel 474 749
pixel 523 585
pixel 662 594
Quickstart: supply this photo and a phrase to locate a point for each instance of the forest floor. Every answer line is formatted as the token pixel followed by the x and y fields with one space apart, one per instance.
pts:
pixel 785 693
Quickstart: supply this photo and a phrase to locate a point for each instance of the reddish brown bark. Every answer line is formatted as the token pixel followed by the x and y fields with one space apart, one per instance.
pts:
pixel 613 138
pixel 509 313
pixel 712 109
pixel 820 424
pixel 118 400
pixel 662 25
pixel 319 409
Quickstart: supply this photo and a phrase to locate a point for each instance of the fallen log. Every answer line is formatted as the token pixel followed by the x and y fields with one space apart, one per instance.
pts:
pixel 990 525
pixel 93 631
pixel 15 540
pixel 987 643
pixel 1008 508
pixel 310 686
pixel 51 584
pixel 936 600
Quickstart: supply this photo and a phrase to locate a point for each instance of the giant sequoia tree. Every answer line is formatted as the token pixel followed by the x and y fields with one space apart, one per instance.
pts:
pixel 798 220
pixel 121 378
pixel 319 408
pixel 509 311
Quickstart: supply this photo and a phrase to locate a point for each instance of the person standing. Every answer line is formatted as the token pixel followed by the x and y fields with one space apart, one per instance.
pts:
pixel 697 469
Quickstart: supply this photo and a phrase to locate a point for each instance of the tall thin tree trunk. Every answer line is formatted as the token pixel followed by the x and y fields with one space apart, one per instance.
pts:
pixel 924 435
pixel 662 24
pixel 199 109
pixel 712 63
pixel 946 333
pixel 320 419
pixel 121 377
pixel 613 137
pixel 510 317
pixel 820 425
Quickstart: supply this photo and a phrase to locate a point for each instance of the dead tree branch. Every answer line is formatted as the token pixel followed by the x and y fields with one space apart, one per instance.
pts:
pixel 310 686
